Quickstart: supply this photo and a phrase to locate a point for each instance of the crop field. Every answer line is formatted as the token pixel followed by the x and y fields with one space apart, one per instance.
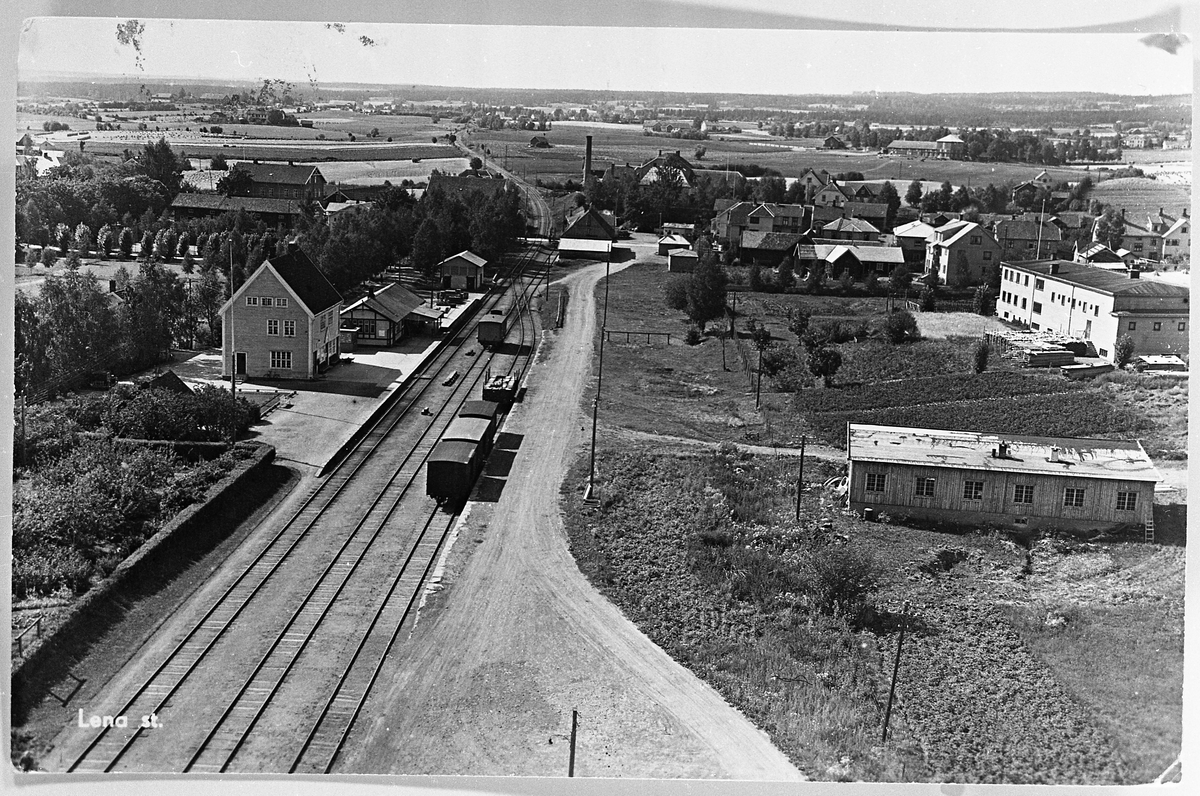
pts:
pixel 1065 671
pixel 1140 196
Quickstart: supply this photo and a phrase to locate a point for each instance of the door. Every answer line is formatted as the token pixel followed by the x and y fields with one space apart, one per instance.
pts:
pixel 239 363
pixel 1087 331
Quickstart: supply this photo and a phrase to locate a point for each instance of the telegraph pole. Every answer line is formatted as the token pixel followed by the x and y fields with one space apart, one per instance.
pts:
pixel 574 727
pixel 800 479
pixel 599 379
pixel 758 386
pixel 232 344
pixel 887 715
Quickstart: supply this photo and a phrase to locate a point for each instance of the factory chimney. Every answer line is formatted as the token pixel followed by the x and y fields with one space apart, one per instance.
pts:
pixel 587 165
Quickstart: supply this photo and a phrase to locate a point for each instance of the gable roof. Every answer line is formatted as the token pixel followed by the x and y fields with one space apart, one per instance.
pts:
pixel 279 173
pixel 873 210
pixel 393 302
pixel 913 229
pixel 590 225
pixel 309 284
pixel 850 225
pixel 771 241
pixel 219 203
pixel 1020 229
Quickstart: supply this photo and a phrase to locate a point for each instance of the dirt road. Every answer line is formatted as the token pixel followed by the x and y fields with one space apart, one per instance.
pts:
pixel 487 683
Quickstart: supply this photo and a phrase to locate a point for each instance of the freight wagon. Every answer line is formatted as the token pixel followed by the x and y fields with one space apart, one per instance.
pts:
pixel 450 472
pixel 493 327
pixel 475 430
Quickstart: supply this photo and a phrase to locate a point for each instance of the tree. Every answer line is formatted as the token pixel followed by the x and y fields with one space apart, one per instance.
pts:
pixel 888 196
pixel 824 362
pixel 82 242
pixel 983 301
pixel 928 300
pixel 798 324
pixel 914 193
pixel 218 163
pixel 700 152
pixel 901 278
pixel 236 182
pixel 675 293
pixel 787 273
pixel 1123 351
pixel 980 354
pixel 1110 229
pixel 125 242
pixel 770 189
pixel 158 162
pixel 706 292
pixel 900 326
pixel 427 247
pixel 476 163
pixel 755 279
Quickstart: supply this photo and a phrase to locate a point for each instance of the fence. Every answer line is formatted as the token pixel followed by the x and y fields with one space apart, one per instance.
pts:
pixel 608 333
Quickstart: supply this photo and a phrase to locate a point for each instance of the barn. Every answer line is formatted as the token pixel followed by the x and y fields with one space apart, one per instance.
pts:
pixel 1000 480
pixel 462 271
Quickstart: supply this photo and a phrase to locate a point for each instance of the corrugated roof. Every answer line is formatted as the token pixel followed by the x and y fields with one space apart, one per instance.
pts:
pixel 308 283
pixel 1122 460
pixel 1100 279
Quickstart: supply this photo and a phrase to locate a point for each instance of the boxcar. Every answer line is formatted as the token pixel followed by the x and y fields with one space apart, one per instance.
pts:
pixel 488 410
pixel 475 430
pixel 450 473
pixel 494 326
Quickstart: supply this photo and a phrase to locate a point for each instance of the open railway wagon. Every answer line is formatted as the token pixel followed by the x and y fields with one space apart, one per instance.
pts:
pixel 493 328
pixel 500 389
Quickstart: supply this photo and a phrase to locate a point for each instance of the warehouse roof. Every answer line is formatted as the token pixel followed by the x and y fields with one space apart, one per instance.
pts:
pixel 1122 460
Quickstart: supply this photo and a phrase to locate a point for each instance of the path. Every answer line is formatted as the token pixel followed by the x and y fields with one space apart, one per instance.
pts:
pixel 487 685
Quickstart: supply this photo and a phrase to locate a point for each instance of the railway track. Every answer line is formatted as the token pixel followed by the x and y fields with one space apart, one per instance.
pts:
pixel 399 531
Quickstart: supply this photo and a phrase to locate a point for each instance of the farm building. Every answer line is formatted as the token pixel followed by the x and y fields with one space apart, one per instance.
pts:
pixel 385 316
pixel 1095 305
pixel 591 224
pixel 283 321
pixel 1010 481
pixel 284 181
pixel 462 271
pixel 271 212
pixel 682 261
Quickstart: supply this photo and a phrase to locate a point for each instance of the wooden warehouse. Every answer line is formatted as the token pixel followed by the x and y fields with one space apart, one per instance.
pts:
pixel 1005 481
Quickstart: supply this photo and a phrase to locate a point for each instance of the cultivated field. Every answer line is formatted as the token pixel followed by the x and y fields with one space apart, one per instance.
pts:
pixel 1140 196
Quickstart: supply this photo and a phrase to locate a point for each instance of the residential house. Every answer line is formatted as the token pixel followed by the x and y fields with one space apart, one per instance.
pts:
pixel 850 229
pixel 1099 255
pixel 664 166
pixel 1095 304
pixel 959 252
pixel 462 271
pixel 833 142
pixel 728 223
pixel 813 182
pixel 1175 232
pixel 282 322
pixel 859 259
pixel 1027 240
pixel 284 181
pixel 767 248
pixel 911 238
pixel 1142 241
pixel 875 212
pixel 1009 481
pixel 830 195
pixel 385 316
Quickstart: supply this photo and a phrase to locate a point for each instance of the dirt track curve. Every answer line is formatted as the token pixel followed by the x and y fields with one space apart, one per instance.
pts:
pixel 487 683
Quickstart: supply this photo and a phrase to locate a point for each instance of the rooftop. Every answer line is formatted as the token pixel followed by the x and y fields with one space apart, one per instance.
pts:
pixel 1100 279
pixel 1122 460
pixel 278 172
pixel 302 276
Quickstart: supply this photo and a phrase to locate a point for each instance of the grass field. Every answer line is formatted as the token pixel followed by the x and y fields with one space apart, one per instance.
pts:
pixel 703 553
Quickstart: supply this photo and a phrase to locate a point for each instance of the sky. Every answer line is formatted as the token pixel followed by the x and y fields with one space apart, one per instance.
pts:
pixel 614 58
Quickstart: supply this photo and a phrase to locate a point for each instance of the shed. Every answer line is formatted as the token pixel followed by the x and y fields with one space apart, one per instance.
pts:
pixel 462 271
pixel 1000 479
pixel 669 242
pixel 682 261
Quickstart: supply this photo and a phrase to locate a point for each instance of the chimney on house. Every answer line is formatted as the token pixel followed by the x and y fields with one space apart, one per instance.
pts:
pixel 1054 267
pixel 1134 273
pixel 1001 451
pixel 293 245
pixel 1122 214
pixel 1053 453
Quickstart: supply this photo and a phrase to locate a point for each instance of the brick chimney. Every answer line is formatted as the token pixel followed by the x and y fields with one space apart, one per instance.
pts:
pixel 587 164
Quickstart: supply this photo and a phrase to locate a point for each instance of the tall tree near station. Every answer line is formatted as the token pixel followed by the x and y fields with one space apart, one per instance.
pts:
pixel 427 248
pixel 706 292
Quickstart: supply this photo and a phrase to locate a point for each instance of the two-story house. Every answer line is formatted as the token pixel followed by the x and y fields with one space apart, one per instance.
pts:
pixel 282 322
pixel 1176 235
pixel 1096 304
pixel 284 181
pixel 959 252
pixel 1020 239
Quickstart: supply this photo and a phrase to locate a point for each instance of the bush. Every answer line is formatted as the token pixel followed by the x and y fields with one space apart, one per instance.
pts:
pixel 1123 351
pixel 900 327
pixel 928 300
pixel 871 282
pixel 980 353
pixel 842 579
pixel 824 362
pixel 675 293
pixel 693 336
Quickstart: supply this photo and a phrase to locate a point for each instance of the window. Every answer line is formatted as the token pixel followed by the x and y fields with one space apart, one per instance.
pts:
pixel 1023 303
pixel 876 482
pixel 976 240
pixel 273 327
pixel 1026 280
pixel 281 360
pixel 289 328
pixel 281 302
pixel 1040 284
pixel 1182 326
pixel 972 490
pixel 925 487
pixel 1126 501
pixel 1023 493
pixel 1158 326
pixel 1053 296
pixel 266 301
pixel 322 321
pixel 1073 498
pixel 1137 247
pixel 1037 307
pixel 1104 352
pixel 987 255
pixel 1133 326
pixel 251 301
